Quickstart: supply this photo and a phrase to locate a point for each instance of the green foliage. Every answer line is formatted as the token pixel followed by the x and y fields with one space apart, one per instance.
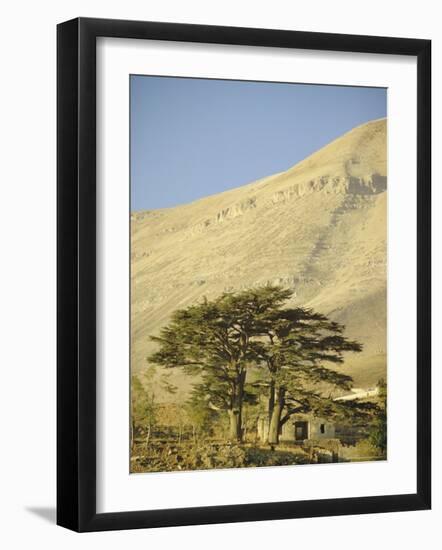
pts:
pixel 363 450
pixel 378 432
pixel 143 404
pixel 220 340
pixel 295 345
pixel 200 415
pixel 296 349
pixel 214 336
pixel 213 339
pixel 144 408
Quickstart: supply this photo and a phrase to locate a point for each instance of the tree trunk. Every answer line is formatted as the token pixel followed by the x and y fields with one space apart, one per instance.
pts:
pixel 270 408
pixel 235 425
pixel 273 437
pixel 132 434
pixel 275 420
pixel 235 413
pixel 271 403
pixel 149 428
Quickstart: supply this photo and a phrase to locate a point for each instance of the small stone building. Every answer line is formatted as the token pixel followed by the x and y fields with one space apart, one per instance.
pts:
pixel 299 428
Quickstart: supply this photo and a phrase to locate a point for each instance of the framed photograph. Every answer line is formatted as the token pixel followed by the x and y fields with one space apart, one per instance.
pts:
pixel 243 274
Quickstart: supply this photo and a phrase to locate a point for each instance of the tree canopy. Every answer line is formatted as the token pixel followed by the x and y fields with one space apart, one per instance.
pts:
pixel 292 351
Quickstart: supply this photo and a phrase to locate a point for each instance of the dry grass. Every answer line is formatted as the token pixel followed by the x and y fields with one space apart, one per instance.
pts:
pixel 361 452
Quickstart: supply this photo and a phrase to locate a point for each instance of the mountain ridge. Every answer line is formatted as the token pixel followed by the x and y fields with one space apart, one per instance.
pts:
pixel 318 228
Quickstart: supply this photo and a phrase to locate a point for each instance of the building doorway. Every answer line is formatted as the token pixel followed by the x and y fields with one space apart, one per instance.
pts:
pixel 301 431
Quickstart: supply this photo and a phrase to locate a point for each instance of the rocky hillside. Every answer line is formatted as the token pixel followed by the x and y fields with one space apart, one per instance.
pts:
pixel 318 228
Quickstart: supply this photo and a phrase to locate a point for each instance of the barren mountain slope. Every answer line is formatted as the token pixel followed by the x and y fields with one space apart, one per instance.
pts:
pixel 319 228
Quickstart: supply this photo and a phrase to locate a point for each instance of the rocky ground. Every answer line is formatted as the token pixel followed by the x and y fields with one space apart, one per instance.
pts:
pixel 162 456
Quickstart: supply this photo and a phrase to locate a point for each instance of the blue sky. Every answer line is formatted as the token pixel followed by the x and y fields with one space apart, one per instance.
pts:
pixel 195 137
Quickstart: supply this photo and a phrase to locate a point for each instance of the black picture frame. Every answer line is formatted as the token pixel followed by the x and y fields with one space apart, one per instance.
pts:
pixel 77 287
